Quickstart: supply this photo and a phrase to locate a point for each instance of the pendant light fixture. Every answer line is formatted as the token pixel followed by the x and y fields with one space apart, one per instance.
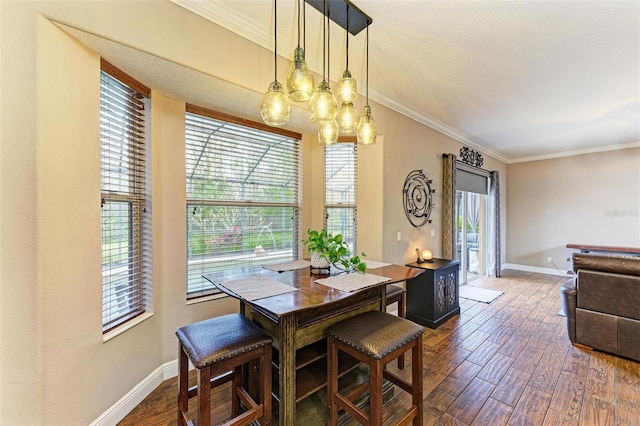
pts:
pixel 367 131
pixel 347 116
pixel 328 131
pixel 323 105
pixel 275 108
pixel 300 81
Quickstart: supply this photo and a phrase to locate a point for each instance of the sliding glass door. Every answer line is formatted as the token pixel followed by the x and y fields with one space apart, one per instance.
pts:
pixel 471 224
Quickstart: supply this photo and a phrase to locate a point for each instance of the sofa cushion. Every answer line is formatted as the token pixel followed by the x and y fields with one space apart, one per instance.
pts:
pixel 628 265
pixel 629 338
pixel 597 330
pixel 610 293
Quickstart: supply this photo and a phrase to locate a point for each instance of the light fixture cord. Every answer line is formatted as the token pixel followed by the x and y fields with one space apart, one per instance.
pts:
pixel 298 23
pixel 275 40
pixel 367 64
pixel 347 66
pixel 304 24
pixel 324 41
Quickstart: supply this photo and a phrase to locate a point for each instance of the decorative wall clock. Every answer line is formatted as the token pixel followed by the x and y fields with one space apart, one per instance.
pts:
pixel 418 199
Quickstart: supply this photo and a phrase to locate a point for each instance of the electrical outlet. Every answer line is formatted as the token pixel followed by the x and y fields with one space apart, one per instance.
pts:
pixel 399 236
pixel 549 259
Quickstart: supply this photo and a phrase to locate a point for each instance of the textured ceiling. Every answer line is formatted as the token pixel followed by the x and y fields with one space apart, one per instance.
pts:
pixel 520 80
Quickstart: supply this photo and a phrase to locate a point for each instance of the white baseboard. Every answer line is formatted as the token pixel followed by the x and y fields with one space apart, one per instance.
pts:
pixel 128 402
pixel 538 269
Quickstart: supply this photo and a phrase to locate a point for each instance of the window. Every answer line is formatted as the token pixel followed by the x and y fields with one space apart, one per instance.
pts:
pixel 340 191
pixel 243 194
pixel 126 221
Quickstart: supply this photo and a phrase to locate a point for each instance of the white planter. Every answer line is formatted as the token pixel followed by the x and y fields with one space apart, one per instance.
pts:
pixel 317 261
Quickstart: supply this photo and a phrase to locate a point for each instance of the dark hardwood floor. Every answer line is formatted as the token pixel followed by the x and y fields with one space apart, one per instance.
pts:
pixel 504 363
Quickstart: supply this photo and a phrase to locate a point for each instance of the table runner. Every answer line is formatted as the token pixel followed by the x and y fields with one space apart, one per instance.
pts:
pixel 352 282
pixel 373 264
pixel 256 287
pixel 288 266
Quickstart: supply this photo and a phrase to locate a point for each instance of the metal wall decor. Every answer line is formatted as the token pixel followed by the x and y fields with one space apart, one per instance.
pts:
pixel 471 157
pixel 418 199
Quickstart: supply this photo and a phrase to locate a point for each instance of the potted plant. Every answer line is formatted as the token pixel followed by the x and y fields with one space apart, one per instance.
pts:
pixel 327 249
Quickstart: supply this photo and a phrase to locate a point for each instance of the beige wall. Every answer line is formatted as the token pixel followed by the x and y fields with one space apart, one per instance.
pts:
pixel 55 367
pixel 585 199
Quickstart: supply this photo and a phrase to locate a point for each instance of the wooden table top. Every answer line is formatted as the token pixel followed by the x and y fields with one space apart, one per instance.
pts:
pixel 309 295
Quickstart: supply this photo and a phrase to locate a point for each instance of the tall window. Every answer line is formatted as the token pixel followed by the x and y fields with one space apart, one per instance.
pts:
pixel 243 195
pixel 126 221
pixel 340 191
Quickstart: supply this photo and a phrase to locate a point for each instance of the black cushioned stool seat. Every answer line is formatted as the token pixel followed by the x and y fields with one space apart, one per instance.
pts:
pixel 374 338
pixel 395 293
pixel 218 348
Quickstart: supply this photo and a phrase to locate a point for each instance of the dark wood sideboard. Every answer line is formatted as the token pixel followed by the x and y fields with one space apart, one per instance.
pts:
pixel 433 296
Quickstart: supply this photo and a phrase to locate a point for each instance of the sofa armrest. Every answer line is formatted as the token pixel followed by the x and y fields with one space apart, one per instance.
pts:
pixel 568 300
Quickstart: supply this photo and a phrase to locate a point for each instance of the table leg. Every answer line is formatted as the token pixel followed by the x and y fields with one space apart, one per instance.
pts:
pixel 287 326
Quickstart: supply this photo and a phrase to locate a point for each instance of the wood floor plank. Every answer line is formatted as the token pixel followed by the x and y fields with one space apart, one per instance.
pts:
pixel 531 408
pixel 483 353
pixel 568 394
pixel 495 369
pixel 494 413
pixel 528 359
pixel 627 382
pixel 511 386
pixel 555 418
pixel 597 412
pixel 601 377
pixel 546 374
pixel 627 414
pixel 471 400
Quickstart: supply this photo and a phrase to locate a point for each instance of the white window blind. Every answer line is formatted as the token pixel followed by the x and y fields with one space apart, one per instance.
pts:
pixel 243 194
pixel 340 191
pixel 126 219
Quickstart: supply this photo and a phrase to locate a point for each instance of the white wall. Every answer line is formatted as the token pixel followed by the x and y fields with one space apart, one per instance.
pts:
pixel 54 365
pixel 584 199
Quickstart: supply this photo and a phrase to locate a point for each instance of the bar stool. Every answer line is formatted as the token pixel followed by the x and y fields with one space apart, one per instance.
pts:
pixel 395 293
pixel 221 346
pixel 374 338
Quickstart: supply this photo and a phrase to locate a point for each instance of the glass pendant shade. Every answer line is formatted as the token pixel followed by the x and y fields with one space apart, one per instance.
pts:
pixel 347 88
pixel 347 119
pixel 328 133
pixel 367 131
pixel 275 108
pixel 323 106
pixel 300 81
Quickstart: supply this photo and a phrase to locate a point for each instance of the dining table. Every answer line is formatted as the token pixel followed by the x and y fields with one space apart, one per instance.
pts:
pixel 298 316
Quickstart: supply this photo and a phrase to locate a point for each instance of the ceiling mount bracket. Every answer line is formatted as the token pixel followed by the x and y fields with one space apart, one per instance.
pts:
pixel 337 11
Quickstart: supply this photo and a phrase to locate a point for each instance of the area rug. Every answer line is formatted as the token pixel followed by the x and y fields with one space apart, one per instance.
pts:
pixel 479 294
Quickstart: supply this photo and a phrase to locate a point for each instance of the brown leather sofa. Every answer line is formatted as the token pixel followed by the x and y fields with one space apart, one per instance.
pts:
pixel 602 303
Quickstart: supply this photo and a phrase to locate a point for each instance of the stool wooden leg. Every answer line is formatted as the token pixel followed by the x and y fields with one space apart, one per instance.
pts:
pixel 183 384
pixel 416 379
pixel 236 384
pixel 402 313
pixel 204 396
pixel 265 379
pixel 375 392
pixel 332 381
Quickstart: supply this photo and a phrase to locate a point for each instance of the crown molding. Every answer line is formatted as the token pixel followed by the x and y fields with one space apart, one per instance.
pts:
pixel 228 18
pixel 435 125
pixel 575 152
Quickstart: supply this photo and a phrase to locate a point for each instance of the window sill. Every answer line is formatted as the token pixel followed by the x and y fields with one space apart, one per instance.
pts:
pixel 206 298
pixel 126 326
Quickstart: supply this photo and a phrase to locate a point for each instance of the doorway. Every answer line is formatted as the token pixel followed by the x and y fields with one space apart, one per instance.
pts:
pixel 471 234
pixel 470 222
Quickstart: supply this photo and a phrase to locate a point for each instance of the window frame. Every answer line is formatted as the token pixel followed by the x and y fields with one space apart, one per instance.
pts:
pixel 135 299
pixel 349 206
pixel 191 202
